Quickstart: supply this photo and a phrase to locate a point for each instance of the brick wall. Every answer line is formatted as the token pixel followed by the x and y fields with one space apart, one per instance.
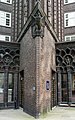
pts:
pixel 37 58
pixel 27 63
pixel 47 63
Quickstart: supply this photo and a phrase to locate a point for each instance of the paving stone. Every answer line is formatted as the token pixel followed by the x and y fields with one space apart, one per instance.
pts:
pixel 58 113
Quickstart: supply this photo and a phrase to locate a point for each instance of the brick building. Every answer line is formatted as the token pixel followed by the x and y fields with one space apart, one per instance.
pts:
pixel 37 24
pixel 37 68
pixel 69 18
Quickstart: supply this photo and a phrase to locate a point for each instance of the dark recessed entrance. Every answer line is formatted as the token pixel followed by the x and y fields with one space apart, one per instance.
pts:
pixel 6 90
pixel 9 75
pixel 73 88
pixel 66 89
pixel 65 62
pixel 53 89
pixel 22 88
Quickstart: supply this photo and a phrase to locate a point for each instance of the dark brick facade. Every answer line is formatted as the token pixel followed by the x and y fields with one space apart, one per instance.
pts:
pixel 36 28
pixel 27 63
pixel 23 8
pixel 37 60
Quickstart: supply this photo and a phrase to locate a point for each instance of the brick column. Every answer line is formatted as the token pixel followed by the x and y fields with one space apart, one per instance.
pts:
pixel 37 76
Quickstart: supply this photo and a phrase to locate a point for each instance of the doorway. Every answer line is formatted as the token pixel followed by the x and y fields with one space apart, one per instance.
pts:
pixel 6 90
pixel 1 88
pixel 73 89
pixel 53 88
pixel 22 88
pixel 64 88
pixel 67 89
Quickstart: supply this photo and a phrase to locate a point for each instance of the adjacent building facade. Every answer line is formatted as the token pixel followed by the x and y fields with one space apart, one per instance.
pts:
pixel 65 57
pixel 69 18
pixel 65 65
pixel 5 20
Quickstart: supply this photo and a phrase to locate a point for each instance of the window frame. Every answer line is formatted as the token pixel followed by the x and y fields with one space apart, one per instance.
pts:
pixel 5 38
pixel 68 2
pixel 70 36
pixel 10 90
pixel 6 1
pixel 69 18
pixel 65 2
pixel 5 18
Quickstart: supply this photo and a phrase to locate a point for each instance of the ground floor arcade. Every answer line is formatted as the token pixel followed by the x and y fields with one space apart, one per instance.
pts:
pixel 61 86
pixel 65 62
pixel 9 75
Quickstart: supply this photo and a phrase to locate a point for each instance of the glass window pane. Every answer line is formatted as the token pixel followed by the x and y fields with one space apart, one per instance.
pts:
pixel 7 15
pixel 64 87
pixel 6 1
pixel 5 19
pixel 69 19
pixel 10 88
pixel 73 89
pixel 1 87
pixel 7 22
pixel 5 38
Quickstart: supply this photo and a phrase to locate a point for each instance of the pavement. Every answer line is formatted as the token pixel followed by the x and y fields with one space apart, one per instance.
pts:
pixel 58 113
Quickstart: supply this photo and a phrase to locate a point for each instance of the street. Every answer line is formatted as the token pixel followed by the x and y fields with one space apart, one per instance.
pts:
pixel 58 113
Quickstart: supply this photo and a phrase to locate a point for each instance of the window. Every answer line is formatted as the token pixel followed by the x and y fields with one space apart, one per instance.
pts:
pixel 69 19
pixel 5 38
pixel 66 22
pixel 66 15
pixel 70 38
pixel 8 19
pixel 10 88
pixel 68 1
pixel 1 87
pixel 67 38
pixel 6 1
pixel 5 19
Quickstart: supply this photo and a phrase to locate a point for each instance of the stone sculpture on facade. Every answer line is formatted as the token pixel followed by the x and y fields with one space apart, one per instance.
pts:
pixel 38 24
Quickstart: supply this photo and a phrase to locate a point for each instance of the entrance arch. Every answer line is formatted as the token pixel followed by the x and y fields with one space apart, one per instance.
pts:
pixel 9 74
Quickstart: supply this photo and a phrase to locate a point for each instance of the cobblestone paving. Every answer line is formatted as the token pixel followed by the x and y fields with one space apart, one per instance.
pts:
pixel 58 113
